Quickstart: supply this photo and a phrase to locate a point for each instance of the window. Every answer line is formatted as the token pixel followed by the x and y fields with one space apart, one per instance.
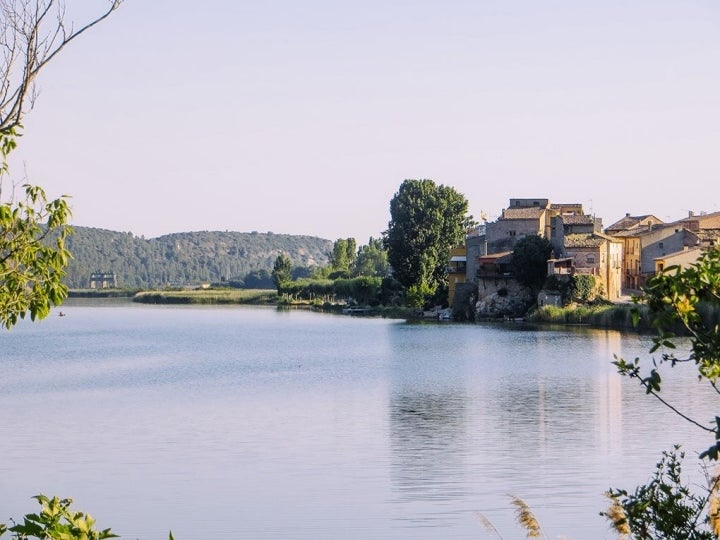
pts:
pixel 512 233
pixel 661 245
pixel 590 259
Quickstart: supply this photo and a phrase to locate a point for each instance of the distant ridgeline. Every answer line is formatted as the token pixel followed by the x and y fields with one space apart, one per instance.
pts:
pixel 183 259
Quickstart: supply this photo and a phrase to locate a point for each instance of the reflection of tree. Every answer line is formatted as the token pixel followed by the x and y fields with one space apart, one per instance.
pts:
pixel 427 438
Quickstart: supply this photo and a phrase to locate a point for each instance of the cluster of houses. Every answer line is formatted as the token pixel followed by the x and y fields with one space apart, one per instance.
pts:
pixel 621 257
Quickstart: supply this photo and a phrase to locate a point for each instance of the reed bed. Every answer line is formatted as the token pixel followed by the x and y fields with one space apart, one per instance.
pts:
pixel 208 296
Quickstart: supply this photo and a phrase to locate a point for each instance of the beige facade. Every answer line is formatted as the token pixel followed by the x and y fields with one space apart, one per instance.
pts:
pixel 457 271
pixel 683 259
pixel 598 255
pixel 696 222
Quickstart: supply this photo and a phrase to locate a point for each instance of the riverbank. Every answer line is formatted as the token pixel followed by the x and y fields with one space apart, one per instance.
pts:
pixel 619 316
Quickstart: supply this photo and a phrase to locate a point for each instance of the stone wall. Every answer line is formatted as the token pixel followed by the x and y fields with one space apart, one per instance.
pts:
pixel 502 297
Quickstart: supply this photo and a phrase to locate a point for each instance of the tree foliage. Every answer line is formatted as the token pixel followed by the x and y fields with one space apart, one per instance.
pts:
pixel 57 521
pixel 682 303
pixel 582 287
pixel 33 253
pixel 282 271
pixel 342 257
pixel 665 508
pixel 31 271
pixel 372 259
pixel 426 220
pixel 529 261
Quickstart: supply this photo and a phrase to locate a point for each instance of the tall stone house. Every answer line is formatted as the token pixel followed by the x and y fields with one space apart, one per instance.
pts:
pixel 523 217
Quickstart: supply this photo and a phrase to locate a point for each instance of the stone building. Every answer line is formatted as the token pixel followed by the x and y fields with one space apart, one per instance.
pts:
pixel 598 255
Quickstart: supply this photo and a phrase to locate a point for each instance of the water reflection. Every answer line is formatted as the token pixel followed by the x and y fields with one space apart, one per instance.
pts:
pixel 428 443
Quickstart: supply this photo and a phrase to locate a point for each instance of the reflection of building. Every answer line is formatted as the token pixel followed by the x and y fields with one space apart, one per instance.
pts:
pixel 609 422
pixel 103 280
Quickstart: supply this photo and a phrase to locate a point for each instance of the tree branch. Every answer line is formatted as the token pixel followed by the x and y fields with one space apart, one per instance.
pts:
pixel 27 37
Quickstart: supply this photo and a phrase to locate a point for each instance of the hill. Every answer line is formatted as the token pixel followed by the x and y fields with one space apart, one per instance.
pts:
pixel 184 258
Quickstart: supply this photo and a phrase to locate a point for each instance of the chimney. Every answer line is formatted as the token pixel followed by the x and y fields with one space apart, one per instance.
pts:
pixel 691 213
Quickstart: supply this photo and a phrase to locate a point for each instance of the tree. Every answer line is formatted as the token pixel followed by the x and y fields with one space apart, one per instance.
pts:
pixel 372 259
pixel 681 304
pixel 33 230
pixel 529 261
pixel 426 220
pixel 282 270
pixel 342 257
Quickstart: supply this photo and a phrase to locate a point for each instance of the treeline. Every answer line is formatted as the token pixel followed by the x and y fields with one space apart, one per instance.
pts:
pixel 354 276
pixel 180 259
pixel 370 291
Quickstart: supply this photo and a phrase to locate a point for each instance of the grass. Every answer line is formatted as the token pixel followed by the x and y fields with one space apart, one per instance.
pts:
pixel 209 297
pixel 604 316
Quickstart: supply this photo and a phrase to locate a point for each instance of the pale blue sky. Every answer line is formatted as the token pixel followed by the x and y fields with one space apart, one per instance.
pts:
pixel 304 117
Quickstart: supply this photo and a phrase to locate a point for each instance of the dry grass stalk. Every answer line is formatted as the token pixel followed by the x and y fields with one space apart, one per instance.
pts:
pixel 618 517
pixel 487 524
pixel 714 510
pixel 527 519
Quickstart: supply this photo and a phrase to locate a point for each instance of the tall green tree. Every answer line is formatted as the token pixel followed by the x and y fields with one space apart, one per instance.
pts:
pixel 342 257
pixel 426 220
pixel 282 270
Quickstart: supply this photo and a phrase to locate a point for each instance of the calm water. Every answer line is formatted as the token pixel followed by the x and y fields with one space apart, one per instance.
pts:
pixel 249 423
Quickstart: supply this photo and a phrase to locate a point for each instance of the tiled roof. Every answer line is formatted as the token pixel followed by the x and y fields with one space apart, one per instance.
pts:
pixel 577 220
pixel 708 234
pixel 568 206
pixel 522 213
pixel 496 256
pixel 628 222
pixel 583 240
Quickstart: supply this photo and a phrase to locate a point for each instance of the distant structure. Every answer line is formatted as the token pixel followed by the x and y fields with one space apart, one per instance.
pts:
pixel 103 280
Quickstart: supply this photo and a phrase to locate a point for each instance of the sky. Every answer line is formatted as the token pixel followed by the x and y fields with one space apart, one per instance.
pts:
pixel 305 116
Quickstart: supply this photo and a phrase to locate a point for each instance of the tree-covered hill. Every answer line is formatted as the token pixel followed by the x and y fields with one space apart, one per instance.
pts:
pixel 184 258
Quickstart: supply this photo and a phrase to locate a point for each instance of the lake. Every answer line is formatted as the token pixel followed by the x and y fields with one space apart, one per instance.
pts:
pixel 253 423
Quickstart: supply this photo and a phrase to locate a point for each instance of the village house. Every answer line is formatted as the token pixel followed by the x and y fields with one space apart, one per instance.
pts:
pixel 598 255
pixel 682 259
pixel 457 270
pixel 648 240
pixel 103 280
pixel 629 222
pixel 564 225
pixel 523 217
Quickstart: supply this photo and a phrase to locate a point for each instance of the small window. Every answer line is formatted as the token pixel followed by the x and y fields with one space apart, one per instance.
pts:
pixel 512 233
pixel 590 259
pixel 661 245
